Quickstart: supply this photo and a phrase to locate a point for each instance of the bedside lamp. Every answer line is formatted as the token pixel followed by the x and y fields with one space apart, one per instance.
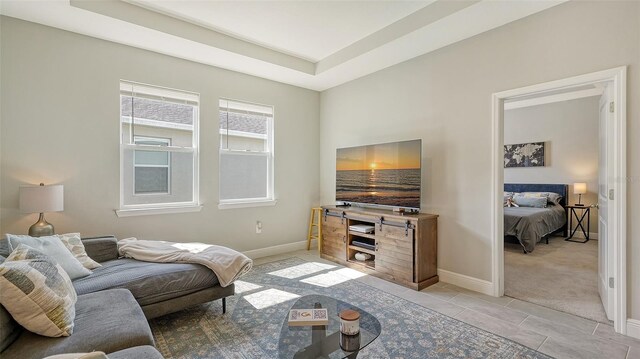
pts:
pixel 41 199
pixel 579 188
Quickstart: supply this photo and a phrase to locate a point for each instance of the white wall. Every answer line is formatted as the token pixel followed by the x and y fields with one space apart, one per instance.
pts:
pixel 444 97
pixel 60 124
pixel 570 132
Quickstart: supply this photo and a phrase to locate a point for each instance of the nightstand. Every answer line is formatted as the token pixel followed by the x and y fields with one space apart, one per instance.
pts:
pixel 585 213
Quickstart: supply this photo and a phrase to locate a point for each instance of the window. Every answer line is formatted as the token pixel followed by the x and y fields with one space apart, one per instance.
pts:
pixel 151 168
pixel 246 154
pixel 158 148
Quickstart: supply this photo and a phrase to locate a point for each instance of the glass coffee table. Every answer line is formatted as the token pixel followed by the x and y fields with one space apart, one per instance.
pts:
pixel 325 341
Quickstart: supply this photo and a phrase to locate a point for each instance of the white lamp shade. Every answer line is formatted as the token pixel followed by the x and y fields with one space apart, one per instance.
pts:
pixel 579 188
pixel 38 199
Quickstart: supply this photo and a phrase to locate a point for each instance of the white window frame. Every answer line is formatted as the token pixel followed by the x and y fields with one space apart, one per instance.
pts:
pixel 167 166
pixel 127 88
pixel 270 199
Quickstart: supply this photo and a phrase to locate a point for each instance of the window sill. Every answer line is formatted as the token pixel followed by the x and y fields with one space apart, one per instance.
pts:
pixel 248 204
pixel 131 212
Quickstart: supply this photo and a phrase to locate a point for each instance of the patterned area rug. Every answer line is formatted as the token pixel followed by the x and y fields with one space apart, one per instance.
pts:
pixel 251 327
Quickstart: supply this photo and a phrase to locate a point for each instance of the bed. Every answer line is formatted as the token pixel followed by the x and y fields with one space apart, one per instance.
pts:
pixel 530 225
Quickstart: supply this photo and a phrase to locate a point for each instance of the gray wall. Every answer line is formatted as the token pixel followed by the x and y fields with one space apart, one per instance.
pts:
pixel 60 124
pixel 445 98
pixel 570 132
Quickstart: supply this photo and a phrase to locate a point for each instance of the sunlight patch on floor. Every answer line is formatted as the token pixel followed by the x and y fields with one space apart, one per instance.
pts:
pixel 301 270
pixel 269 297
pixel 333 278
pixel 242 286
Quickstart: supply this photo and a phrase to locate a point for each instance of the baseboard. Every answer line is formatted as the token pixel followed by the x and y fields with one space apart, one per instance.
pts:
pixel 633 328
pixel 464 281
pixel 279 249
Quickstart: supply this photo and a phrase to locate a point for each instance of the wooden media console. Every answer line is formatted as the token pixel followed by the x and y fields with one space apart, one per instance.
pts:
pixel 403 247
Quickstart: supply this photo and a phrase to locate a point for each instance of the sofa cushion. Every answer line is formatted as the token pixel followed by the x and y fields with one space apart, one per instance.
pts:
pixel 141 352
pixel 106 321
pixel 148 282
pixel 4 247
pixel 37 292
pixel 9 329
pixel 100 249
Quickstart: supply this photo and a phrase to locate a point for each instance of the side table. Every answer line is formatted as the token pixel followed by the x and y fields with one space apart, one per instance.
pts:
pixel 580 218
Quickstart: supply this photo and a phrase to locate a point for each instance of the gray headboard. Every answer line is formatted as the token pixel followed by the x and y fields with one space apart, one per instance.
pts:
pixel 561 189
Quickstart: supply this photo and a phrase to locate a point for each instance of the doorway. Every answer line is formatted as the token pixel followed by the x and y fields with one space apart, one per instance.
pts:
pixel 611 190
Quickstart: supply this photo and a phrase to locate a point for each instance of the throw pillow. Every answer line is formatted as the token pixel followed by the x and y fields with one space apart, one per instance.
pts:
pixel 74 244
pixel 37 292
pixel 507 197
pixel 53 247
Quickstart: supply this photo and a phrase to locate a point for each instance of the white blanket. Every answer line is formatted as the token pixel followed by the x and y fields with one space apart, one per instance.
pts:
pixel 227 264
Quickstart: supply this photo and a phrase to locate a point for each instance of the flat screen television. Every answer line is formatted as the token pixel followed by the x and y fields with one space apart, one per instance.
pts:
pixel 386 174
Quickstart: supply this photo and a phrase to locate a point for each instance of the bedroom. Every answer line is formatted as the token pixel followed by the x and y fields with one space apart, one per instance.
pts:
pixel 552 151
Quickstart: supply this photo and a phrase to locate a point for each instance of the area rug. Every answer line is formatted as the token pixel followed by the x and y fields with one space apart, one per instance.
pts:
pixel 251 327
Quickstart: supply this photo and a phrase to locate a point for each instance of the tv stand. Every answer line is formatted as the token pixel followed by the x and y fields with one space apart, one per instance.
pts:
pixel 403 246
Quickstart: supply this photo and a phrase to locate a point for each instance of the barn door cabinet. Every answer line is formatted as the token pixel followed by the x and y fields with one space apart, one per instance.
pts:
pixel 402 248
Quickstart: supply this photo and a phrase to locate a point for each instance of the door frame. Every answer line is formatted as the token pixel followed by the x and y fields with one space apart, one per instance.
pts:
pixel 618 78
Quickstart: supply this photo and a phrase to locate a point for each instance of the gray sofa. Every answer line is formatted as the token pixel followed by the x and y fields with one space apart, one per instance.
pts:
pixel 114 303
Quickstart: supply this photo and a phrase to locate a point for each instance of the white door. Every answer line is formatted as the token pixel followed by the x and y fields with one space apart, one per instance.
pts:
pixel 605 159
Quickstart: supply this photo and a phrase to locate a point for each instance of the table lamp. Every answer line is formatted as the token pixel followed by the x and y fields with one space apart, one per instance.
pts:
pixel 41 199
pixel 579 188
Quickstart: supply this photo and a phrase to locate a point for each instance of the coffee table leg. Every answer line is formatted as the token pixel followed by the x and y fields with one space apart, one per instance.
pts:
pixel 318 333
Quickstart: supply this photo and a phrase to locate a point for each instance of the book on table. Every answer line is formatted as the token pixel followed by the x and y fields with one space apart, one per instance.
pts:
pixel 304 317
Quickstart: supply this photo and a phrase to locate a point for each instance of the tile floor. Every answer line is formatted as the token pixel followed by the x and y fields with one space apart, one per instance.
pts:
pixel 554 333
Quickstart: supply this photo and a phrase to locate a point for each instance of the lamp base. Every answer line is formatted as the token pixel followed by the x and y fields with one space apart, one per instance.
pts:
pixel 41 228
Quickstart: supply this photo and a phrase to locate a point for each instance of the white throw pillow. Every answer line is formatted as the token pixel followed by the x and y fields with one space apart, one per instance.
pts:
pixel 37 292
pixel 53 247
pixel 74 244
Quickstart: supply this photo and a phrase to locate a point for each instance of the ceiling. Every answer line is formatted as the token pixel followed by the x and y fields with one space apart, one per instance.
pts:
pixel 311 44
pixel 311 30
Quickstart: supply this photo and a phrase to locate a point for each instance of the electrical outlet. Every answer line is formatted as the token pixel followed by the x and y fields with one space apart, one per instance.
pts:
pixel 258 227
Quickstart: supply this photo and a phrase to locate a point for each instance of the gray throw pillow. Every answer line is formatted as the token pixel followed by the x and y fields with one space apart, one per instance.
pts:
pixel 53 247
pixel 537 202
pixel 37 292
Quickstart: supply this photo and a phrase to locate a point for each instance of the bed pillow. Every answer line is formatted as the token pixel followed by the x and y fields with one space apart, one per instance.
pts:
pixel 53 247
pixel 524 201
pixel 37 292
pixel 552 197
pixel 74 244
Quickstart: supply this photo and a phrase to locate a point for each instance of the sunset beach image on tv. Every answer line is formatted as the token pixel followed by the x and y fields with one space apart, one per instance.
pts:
pixel 385 174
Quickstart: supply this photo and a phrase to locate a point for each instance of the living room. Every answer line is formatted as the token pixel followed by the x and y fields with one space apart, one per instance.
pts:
pixel 328 75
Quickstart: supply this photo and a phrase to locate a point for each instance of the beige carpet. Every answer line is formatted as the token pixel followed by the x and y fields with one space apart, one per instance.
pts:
pixel 561 275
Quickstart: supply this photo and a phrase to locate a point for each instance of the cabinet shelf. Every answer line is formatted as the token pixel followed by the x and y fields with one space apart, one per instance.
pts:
pixel 364 235
pixel 363 250
pixel 369 264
